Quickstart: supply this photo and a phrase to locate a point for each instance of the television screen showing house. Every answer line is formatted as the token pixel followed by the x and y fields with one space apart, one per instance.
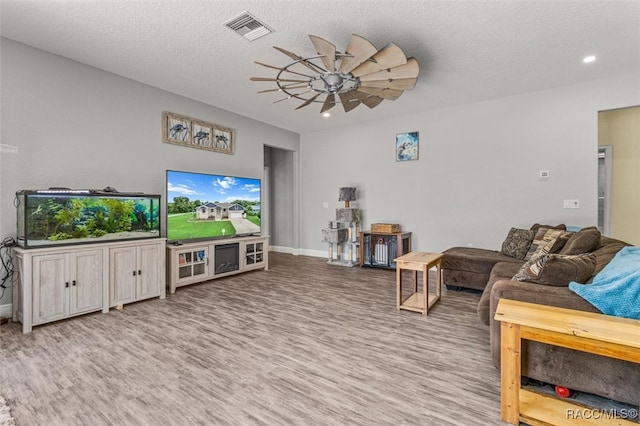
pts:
pixel 203 206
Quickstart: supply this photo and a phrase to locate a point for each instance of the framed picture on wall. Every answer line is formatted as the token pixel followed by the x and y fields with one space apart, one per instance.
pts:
pixel 190 132
pixel 176 129
pixel 407 146
pixel 200 134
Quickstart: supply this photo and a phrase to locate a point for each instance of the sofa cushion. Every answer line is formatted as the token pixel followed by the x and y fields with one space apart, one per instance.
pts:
pixel 585 240
pixel 609 247
pixel 536 226
pixel 517 242
pixel 474 259
pixel 501 271
pixel 544 241
pixel 560 242
pixel 556 269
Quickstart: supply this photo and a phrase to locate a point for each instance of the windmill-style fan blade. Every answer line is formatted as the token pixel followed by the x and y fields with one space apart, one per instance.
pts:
pixel 401 84
pixel 282 69
pixel 360 49
pixel 348 101
pixel 288 80
pixel 313 67
pixel 408 70
pixel 308 101
pixel 389 57
pixel 371 101
pixel 293 95
pixel 285 86
pixel 329 102
pixel 327 50
pixel 389 94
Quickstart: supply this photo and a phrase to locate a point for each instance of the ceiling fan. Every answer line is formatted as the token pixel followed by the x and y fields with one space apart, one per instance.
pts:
pixel 360 75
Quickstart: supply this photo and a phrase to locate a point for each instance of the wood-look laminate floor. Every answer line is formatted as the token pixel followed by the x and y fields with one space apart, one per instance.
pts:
pixel 305 343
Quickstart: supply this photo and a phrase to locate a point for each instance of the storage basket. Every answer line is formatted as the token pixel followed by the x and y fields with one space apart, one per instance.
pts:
pixel 385 227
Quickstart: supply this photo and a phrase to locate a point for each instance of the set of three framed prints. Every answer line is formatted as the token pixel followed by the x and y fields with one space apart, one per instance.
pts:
pixel 186 131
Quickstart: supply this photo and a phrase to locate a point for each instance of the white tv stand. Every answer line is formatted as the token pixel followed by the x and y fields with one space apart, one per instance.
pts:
pixel 191 263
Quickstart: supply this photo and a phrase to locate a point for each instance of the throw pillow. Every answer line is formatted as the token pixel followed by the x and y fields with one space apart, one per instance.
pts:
pixel 517 242
pixel 560 242
pixel 543 241
pixel 556 269
pixel 535 227
pixel 585 240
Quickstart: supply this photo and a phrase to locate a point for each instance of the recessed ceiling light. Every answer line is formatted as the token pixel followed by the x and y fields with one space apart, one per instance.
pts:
pixel 589 59
pixel 326 115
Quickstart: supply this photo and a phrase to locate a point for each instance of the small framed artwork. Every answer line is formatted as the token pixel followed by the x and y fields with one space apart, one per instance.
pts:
pixel 193 133
pixel 407 146
pixel 223 140
pixel 176 128
pixel 200 134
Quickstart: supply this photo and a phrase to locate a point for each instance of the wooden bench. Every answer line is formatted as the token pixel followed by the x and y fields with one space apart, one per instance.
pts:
pixel 606 335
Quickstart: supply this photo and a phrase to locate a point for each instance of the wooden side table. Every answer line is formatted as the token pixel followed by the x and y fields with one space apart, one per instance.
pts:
pixel 600 334
pixel 418 261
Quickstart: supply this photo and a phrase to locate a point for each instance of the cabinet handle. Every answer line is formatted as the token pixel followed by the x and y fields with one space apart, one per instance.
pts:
pixel 207 261
pixel 66 284
pixel 73 282
pixel 139 272
pixel 134 273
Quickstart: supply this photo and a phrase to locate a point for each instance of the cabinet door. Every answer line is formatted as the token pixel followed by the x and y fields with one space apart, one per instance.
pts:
pixel 123 275
pixel 249 254
pixel 86 281
pixel 254 254
pixel 50 288
pixel 148 271
pixel 192 263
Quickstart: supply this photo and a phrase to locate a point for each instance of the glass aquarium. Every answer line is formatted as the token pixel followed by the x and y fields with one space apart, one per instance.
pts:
pixel 60 217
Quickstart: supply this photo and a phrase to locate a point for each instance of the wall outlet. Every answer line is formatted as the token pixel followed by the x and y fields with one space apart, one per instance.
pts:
pixel 571 204
pixel 544 174
pixel 325 205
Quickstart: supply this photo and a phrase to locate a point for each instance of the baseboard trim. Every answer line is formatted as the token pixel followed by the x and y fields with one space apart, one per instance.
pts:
pixel 6 311
pixel 281 249
pixel 314 253
pixel 298 252
pixel 304 252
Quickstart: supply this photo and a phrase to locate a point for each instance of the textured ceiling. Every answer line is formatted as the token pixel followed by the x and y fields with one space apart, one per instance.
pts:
pixel 467 50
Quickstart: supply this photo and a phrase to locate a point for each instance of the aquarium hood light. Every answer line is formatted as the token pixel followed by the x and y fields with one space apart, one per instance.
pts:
pixel 63 191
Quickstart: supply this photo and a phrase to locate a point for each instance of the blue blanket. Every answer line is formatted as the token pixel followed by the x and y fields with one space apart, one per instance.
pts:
pixel 616 289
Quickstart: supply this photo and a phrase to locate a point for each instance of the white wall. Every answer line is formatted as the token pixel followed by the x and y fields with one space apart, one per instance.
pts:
pixel 81 127
pixel 478 168
pixel 477 175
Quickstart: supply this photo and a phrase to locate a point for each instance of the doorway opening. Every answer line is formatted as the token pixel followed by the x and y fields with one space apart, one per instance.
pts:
pixel 604 189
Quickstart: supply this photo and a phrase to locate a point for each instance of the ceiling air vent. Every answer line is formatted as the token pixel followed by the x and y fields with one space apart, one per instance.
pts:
pixel 248 26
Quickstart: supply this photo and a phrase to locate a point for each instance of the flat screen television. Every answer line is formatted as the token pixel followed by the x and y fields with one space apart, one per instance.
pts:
pixel 203 206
